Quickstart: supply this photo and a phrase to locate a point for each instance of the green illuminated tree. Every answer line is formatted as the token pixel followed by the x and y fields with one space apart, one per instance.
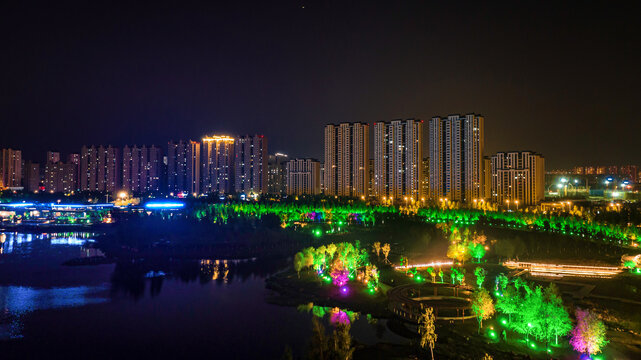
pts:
pixel 480 274
pixel 477 251
pixel 427 330
pixel 509 302
pixel 503 281
pixel 557 322
pixel 482 306
pixel 432 273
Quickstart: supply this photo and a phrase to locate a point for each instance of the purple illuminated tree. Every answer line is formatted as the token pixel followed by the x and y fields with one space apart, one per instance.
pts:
pixel 588 336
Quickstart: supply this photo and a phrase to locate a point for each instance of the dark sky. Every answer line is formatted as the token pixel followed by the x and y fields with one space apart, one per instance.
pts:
pixel 563 80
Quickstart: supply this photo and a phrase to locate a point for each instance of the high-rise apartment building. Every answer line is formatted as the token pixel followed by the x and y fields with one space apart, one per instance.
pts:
pixel 425 184
pixel 456 157
pixel 277 169
pixel 53 157
pixel 218 164
pixel 346 166
pixel 60 177
pixel 100 168
pixel 303 177
pixel 74 158
pixel 629 172
pixel 31 177
pixel 398 159
pixel 141 169
pixel 518 177
pixel 251 164
pixel 183 167
pixel 10 168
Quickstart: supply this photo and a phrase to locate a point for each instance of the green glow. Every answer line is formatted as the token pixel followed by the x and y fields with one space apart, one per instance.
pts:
pixel 362 214
pixel 503 321
pixel 493 334
pixel 532 345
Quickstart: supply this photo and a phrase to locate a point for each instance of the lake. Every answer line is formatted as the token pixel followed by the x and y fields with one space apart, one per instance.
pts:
pixel 206 307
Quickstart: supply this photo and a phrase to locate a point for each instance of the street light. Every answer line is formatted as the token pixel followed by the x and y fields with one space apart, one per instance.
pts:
pixel 517 204
pixel 508 204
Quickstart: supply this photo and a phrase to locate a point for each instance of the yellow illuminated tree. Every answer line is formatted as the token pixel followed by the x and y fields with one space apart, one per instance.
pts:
pixel 427 330
pixel 386 249
pixel 377 248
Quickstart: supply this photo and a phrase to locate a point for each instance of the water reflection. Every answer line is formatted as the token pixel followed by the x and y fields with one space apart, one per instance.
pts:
pixel 21 243
pixel 369 329
pixel 131 277
pixel 15 301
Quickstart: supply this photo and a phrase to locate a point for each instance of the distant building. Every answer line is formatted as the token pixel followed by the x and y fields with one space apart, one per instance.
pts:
pixel 518 178
pixel 346 163
pixel 456 157
pixel 31 178
pixel 100 168
pixel 183 167
pixel 10 168
pixel 276 174
pixel 251 164
pixel 425 184
pixel 53 157
pixel 487 178
pixel 74 159
pixel 371 189
pixel 629 172
pixel 303 177
pixel 398 159
pixel 60 177
pixel 141 169
pixel 218 164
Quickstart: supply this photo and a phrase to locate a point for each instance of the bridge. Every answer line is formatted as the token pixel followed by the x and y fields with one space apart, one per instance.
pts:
pixel 450 302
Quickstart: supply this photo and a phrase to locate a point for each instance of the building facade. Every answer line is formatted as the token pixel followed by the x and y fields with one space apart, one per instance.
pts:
pixel 456 146
pixel 303 177
pixel 60 177
pixel 398 159
pixel 250 164
pixel 10 168
pixel 31 177
pixel 346 163
pixel 183 167
pixel 518 178
pixel 218 164
pixel 100 168
pixel 276 175
pixel 141 169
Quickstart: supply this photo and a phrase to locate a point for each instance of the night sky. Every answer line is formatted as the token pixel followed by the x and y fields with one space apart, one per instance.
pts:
pixel 563 80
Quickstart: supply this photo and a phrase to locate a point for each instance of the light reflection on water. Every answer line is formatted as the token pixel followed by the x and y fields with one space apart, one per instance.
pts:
pixel 42 299
pixel 21 243
pixel 15 301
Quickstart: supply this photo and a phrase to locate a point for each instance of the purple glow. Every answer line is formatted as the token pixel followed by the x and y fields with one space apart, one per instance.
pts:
pixel 339 317
pixel 340 277
pixel 344 289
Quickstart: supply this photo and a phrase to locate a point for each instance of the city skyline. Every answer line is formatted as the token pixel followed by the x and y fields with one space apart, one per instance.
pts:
pixel 280 74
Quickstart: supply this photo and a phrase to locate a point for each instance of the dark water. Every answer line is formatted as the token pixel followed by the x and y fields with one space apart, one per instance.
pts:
pixel 200 308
